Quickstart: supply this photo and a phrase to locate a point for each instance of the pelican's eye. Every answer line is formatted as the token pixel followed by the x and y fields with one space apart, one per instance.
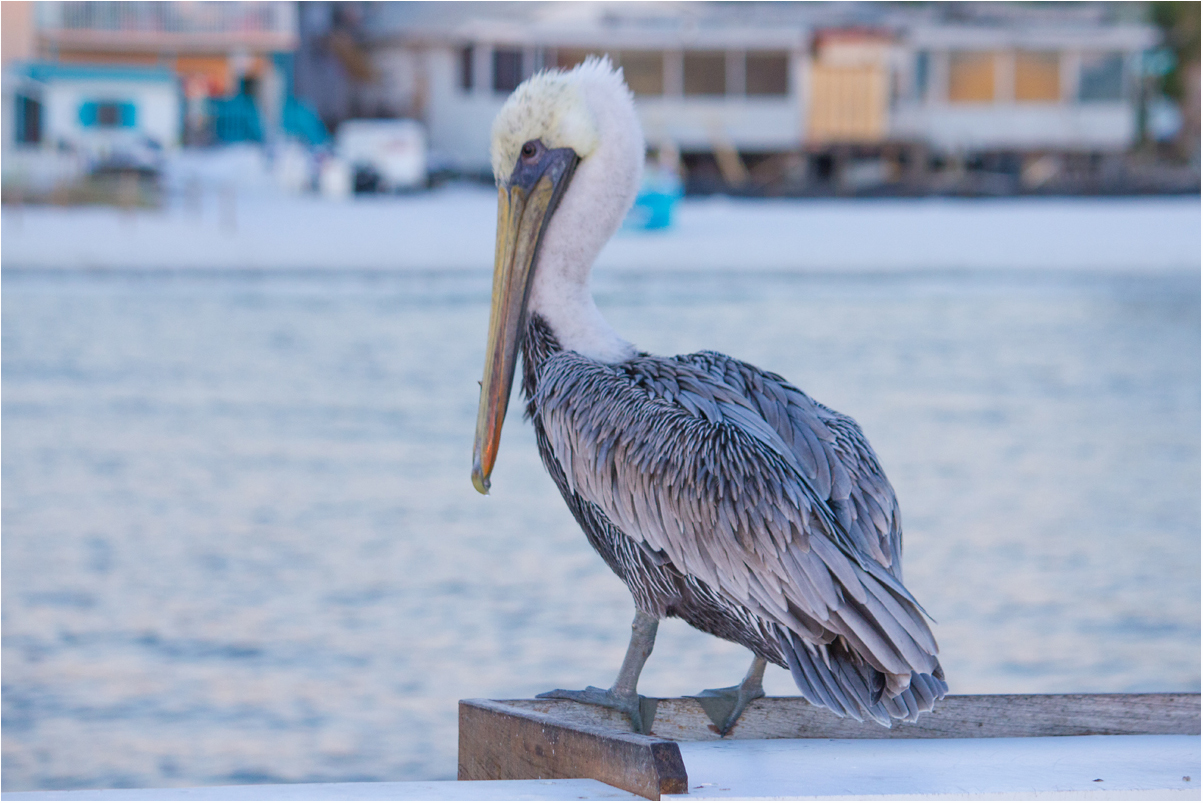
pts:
pixel 531 149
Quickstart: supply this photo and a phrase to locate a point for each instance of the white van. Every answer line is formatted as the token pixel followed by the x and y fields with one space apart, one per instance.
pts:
pixel 384 155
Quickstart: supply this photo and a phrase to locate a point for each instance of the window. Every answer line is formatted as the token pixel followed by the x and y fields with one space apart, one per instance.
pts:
pixel 465 68
pixel 644 71
pixel 507 70
pixel 29 120
pixel 922 71
pixel 705 73
pixel 971 77
pixel 767 74
pixel 568 57
pixel 107 114
pixel 1102 77
pixel 1037 77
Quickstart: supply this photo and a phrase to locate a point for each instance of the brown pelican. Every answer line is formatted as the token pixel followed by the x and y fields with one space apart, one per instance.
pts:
pixel 718 492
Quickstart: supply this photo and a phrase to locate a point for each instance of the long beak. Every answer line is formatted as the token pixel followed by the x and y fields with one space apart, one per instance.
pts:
pixel 524 206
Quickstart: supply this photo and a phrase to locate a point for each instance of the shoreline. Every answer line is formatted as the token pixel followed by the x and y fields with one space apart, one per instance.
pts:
pixel 452 229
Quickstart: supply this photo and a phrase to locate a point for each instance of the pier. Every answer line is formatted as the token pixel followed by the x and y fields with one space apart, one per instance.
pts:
pixel 973 747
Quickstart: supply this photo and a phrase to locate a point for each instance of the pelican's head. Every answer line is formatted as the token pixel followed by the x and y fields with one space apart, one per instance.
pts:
pixel 567 155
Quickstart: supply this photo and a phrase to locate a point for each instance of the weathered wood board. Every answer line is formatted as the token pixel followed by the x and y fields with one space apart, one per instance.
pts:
pixel 522 739
pixel 955 717
pixel 502 742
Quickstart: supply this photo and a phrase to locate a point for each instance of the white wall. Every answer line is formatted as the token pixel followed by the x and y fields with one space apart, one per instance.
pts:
pixel 8 110
pixel 459 122
pixel 1006 126
pixel 752 124
pixel 158 108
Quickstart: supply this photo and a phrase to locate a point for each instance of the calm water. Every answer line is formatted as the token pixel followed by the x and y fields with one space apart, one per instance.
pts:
pixel 241 544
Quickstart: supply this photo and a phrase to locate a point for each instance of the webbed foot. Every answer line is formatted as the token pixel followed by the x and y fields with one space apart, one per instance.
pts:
pixel 641 710
pixel 724 706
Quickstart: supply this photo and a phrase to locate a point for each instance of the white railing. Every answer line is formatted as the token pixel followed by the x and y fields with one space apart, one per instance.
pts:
pixel 167 17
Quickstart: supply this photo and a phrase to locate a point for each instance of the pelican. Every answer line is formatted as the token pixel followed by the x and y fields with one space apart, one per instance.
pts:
pixel 718 492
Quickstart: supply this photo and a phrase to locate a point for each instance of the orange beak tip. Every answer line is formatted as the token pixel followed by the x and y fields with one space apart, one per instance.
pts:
pixel 480 481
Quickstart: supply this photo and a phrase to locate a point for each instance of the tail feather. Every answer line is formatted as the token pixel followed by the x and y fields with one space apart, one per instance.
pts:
pixel 816 682
pixel 850 687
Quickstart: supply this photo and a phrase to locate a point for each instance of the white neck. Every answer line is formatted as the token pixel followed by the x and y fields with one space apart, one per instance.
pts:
pixel 590 211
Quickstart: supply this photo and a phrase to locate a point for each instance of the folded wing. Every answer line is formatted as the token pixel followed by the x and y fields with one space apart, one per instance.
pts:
pixel 755 489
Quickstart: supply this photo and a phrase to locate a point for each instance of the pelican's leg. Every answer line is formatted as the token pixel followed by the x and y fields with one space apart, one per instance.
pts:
pixel 724 706
pixel 622 695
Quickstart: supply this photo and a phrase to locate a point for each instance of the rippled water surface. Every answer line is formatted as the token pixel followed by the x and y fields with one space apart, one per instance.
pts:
pixel 241 544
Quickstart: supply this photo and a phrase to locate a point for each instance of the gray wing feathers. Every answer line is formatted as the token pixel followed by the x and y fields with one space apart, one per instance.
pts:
pixel 834 454
pixel 748 485
pixel 846 471
pixel 831 677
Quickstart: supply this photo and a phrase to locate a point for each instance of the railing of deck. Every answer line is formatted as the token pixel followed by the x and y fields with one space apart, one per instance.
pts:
pixel 167 18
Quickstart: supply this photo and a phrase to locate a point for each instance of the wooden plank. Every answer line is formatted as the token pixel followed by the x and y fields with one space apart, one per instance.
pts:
pixel 498 741
pixel 955 717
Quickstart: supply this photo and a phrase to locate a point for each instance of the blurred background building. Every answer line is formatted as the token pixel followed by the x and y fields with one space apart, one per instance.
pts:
pixel 210 51
pixel 96 88
pixel 755 98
